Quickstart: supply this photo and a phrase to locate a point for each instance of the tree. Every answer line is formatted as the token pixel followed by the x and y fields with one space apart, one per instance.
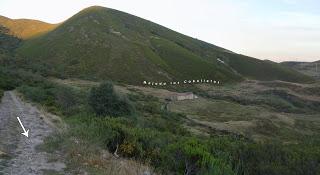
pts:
pixel 105 101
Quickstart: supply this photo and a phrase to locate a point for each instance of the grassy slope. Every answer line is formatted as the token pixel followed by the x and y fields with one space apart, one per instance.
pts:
pixel 101 43
pixel 262 70
pixel 25 28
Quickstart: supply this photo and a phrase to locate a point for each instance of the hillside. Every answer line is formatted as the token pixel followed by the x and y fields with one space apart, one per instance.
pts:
pixel 25 28
pixel 309 68
pixel 102 43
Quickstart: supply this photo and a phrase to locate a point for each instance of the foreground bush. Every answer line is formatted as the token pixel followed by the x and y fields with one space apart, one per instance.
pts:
pixel 1 93
pixel 105 101
pixel 58 99
pixel 6 81
pixel 191 156
pixel 176 153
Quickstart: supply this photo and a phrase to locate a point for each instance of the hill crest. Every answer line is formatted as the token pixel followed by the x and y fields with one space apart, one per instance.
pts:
pixel 103 43
pixel 26 28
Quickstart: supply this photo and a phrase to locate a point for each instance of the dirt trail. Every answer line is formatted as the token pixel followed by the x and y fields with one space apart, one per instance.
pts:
pixel 20 154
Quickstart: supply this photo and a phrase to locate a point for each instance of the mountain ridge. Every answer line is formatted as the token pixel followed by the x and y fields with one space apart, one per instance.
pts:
pixel 26 28
pixel 308 68
pixel 103 43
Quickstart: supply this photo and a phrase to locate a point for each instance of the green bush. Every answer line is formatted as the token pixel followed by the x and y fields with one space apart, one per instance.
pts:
pixel 37 94
pixel 105 101
pixel 58 99
pixel 1 94
pixel 6 81
pixel 11 78
pixel 160 145
pixel 191 156
pixel 148 145
pixel 69 100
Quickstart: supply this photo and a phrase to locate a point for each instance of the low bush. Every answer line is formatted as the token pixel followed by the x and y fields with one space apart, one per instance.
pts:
pixel 57 98
pixel 179 153
pixel 6 81
pixel 192 156
pixel 164 150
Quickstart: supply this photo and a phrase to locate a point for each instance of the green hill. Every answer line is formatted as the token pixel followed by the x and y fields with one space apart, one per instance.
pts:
pixel 102 43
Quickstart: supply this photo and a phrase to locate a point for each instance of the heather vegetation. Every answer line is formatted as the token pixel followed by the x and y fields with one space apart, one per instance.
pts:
pixel 157 138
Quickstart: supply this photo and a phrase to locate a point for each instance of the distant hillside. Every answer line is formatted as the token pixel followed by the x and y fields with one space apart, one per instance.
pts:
pixel 102 43
pixel 309 68
pixel 25 28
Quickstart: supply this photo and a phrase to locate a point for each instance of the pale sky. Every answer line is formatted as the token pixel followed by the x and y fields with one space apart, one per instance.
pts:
pixel 278 30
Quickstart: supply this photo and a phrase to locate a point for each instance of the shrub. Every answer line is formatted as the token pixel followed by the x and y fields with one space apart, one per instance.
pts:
pixel 69 100
pixel 37 94
pixel 58 99
pixel 1 94
pixel 105 101
pixel 6 82
pixel 173 153
pixel 190 156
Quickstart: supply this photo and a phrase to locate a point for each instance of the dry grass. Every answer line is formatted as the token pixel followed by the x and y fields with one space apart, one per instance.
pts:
pixel 251 120
pixel 75 83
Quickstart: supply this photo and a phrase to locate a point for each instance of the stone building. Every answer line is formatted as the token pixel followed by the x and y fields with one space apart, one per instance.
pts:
pixel 183 96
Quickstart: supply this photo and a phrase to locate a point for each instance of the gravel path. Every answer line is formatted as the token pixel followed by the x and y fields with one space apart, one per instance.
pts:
pixel 18 154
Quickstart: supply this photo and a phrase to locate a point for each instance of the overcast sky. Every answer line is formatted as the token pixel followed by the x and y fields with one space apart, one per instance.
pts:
pixel 278 30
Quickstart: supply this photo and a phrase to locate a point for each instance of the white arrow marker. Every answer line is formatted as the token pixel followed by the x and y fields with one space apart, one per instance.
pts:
pixel 25 132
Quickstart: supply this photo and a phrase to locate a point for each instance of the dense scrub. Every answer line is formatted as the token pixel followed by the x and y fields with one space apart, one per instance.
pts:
pixel 1 93
pixel 36 88
pixel 6 81
pixel 8 42
pixel 179 152
pixel 158 138
pixel 58 99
